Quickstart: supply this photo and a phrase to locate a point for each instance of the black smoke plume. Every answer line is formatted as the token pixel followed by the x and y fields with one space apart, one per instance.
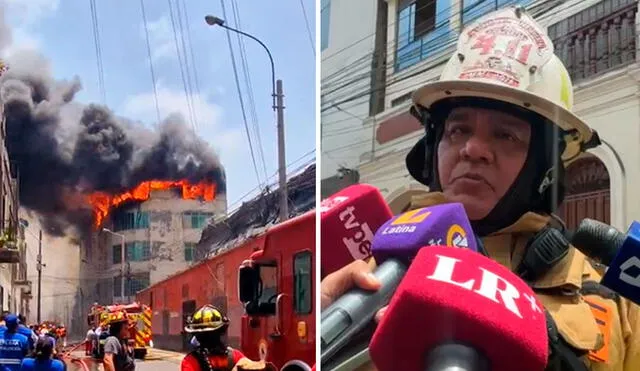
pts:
pixel 62 150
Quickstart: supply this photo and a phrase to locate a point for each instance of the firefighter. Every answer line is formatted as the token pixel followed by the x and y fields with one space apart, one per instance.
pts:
pixel 89 340
pixel 102 339
pixel 498 133
pixel 118 355
pixel 61 332
pixel 209 326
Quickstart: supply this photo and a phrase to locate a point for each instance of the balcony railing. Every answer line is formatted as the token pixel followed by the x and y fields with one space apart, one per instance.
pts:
pixel 598 39
pixel 9 251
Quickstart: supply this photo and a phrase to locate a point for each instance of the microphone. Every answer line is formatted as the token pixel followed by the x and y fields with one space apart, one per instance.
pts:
pixel 597 240
pixel 459 310
pixel 348 220
pixel 394 246
pixel 620 252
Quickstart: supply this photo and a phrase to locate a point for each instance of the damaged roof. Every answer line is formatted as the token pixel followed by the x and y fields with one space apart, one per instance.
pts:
pixel 254 216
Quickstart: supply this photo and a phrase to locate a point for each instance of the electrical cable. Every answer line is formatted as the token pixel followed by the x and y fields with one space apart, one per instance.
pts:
pixel 240 98
pixel 151 69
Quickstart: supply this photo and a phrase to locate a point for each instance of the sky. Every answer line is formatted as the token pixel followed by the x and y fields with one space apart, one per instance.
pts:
pixel 62 31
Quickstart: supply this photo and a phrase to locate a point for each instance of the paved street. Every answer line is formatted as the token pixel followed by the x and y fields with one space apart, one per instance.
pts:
pixel 161 365
pixel 157 360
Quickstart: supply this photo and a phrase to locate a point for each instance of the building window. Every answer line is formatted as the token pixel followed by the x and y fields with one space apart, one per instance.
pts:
pixel 302 294
pixel 189 251
pixel 132 285
pixel 117 285
pixel 474 9
pixel 130 220
pixel 325 12
pixel 423 30
pixel 137 251
pixel 195 219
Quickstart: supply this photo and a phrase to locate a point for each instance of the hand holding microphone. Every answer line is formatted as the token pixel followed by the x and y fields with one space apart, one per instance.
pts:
pixel 356 274
pixel 394 246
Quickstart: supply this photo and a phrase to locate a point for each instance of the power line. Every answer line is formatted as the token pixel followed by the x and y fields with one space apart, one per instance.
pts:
pixel 193 59
pixel 249 86
pixel 182 73
pixel 306 21
pixel 96 42
pixel 390 47
pixel 473 12
pixel 153 74
pixel 342 50
pixel 242 108
pixel 186 62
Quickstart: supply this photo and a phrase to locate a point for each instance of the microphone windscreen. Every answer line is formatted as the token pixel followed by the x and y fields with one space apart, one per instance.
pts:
pixel 403 235
pixel 348 221
pixel 454 295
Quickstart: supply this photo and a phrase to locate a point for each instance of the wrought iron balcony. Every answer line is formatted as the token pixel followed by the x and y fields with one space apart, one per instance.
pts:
pixel 598 39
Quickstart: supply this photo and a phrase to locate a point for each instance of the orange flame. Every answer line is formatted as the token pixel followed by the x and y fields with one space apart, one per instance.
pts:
pixel 103 202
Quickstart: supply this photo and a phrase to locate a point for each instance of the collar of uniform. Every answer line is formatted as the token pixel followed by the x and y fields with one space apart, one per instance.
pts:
pixel 566 274
pixel 507 247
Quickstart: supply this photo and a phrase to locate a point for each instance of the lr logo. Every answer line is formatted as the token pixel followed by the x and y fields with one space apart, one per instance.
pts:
pixel 626 277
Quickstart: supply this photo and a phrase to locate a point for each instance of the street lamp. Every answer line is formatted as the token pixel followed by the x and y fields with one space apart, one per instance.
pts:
pixel 278 107
pixel 122 257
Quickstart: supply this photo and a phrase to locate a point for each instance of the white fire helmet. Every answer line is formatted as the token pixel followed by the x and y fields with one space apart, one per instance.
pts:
pixel 507 56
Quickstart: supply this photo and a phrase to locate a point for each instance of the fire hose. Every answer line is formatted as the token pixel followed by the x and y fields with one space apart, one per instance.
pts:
pixel 67 356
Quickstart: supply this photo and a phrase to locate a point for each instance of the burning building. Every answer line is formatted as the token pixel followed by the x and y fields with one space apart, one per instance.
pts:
pixel 80 168
pixel 158 222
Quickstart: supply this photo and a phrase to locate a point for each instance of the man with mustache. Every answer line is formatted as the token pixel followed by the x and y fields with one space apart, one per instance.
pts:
pixel 498 134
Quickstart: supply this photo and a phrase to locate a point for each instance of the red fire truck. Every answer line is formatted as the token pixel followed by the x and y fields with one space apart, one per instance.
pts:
pixel 276 285
pixel 139 316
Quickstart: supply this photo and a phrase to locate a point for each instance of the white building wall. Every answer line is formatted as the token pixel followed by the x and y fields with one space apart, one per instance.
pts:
pixel 347 60
pixel 60 275
pixel 8 296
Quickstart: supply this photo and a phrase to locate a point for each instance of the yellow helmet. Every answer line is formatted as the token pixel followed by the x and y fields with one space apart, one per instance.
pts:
pixel 207 318
pixel 506 56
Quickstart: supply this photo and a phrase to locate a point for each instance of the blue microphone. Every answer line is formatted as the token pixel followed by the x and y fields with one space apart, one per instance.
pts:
pixel 623 275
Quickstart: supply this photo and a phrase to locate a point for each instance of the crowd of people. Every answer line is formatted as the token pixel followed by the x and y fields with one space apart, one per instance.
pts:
pixel 27 348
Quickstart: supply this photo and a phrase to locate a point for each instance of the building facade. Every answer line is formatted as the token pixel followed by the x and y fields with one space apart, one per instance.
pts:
pixel 15 289
pixel 349 51
pixel 596 40
pixel 160 238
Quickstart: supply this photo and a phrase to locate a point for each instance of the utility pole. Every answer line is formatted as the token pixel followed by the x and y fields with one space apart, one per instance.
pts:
pixel 123 266
pixel 282 164
pixel 39 267
pixel 278 106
